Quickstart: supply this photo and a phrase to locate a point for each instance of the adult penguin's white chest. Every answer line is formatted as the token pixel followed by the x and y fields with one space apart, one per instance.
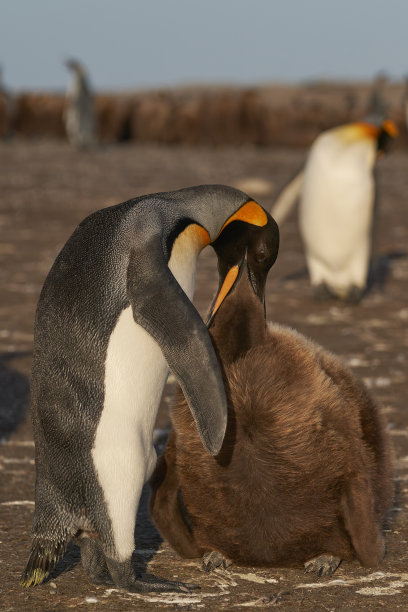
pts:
pixel 337 201
pixel 135 375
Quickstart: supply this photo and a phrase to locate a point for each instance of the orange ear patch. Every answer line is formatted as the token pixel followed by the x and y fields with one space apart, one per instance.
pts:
pixel 251 213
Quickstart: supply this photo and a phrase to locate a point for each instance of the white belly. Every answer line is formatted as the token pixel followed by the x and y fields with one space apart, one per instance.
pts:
pixel 123 455
pixel 335 217
pixel 135 375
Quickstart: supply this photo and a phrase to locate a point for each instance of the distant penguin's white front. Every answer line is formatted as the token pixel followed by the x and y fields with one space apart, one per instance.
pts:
pixel 135 375
pixel 336 208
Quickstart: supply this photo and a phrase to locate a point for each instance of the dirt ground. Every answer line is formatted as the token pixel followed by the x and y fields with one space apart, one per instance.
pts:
pixel 46 189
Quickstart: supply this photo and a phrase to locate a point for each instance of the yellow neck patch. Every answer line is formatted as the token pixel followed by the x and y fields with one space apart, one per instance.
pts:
pixel 358 131
pixel 191 240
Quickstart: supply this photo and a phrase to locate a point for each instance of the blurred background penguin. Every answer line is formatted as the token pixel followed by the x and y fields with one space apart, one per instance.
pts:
pixel 337 194
pixel 79 114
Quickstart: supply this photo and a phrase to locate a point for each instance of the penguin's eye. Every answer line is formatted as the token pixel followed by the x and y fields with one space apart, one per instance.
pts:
pixel 260 256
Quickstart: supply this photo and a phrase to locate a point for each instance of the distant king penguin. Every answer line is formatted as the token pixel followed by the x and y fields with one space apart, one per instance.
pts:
pixel 336 209
pixel 79 113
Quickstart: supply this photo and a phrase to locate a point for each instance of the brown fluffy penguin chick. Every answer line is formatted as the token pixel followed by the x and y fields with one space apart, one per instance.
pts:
pixel 305 471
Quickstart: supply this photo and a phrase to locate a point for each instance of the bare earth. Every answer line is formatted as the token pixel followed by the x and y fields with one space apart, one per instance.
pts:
pixel 46 190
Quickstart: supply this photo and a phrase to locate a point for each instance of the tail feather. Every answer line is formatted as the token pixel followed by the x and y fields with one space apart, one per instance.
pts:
pixel 287 198
pixel 44 556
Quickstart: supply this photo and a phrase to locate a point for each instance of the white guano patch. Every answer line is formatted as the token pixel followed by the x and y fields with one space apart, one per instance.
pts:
pixel 395 582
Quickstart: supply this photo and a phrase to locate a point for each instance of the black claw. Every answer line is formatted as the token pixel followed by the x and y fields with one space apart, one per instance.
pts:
pixel 324 565
pixel 211 560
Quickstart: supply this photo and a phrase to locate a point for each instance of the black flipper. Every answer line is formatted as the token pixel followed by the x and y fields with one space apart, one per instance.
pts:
pixel 162 308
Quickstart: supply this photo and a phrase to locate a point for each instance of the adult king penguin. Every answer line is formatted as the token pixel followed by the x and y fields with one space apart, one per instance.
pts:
pixel 337 195
pixel 113 315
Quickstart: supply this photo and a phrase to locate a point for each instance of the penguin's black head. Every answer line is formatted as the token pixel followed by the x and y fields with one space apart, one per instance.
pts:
pixel 387 132
pixel 244 249
pixel 74 65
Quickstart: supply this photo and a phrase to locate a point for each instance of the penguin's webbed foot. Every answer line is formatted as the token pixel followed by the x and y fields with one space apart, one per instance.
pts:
pixel 124 577
pixel 354 294
pixel 102 579
pixel 213 559
pixel 147 583
pixel 93 561
pixel 322 293
pixel 323 565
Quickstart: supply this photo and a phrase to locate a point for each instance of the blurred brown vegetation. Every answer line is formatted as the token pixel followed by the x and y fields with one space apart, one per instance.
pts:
pixel 266 115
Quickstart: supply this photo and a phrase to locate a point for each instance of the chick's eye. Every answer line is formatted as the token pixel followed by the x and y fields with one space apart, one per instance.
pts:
pixel 260 256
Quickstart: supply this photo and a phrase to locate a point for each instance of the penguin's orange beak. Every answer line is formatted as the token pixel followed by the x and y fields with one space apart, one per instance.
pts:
pixel 389 126
pixel 226 287
pixel 387 131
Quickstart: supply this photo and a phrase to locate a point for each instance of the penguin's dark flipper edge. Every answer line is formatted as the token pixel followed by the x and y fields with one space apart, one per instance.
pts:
pixel 162 308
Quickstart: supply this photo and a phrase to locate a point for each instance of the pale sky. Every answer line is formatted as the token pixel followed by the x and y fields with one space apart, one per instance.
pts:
pixel 128 44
